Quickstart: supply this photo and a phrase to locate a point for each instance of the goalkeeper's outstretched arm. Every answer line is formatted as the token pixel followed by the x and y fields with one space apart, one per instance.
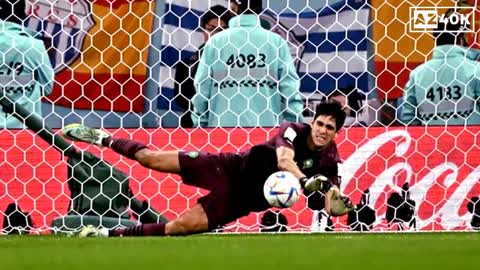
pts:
pixel 285 160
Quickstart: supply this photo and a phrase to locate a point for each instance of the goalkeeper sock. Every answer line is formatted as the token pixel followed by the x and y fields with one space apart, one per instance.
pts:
pixel 153 229
pixel 124 147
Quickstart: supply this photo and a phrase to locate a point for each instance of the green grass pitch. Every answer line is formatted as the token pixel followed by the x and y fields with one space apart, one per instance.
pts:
pixel 247 252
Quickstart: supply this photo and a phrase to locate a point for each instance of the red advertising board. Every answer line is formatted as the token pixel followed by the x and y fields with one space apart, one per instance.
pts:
pixel 442 166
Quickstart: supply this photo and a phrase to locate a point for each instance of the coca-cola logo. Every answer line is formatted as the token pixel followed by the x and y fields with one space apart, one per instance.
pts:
pixel 441 170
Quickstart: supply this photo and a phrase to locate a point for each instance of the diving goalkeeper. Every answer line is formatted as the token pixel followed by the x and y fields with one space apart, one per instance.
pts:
pixel 306 150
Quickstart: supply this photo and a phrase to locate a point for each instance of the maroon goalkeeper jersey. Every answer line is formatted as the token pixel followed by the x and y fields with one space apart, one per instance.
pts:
pixel 261 160
pixel 310 162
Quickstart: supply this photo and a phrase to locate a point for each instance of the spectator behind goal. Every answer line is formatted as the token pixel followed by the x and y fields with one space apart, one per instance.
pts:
pixel 25 70
pixel 213 21
pixel 445 89
pixel 246 76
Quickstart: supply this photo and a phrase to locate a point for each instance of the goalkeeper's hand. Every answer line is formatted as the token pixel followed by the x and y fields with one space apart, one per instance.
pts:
pixel 339 204
pixel 316 183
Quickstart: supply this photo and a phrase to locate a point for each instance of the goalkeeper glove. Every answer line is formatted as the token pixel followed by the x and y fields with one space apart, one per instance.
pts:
pixel 316 183
pixel 340 204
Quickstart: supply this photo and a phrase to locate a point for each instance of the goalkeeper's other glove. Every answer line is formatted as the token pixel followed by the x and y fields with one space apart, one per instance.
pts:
pixel 316 183
pixel 340 204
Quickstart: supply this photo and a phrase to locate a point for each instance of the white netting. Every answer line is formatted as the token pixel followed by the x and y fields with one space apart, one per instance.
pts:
pixel 125 66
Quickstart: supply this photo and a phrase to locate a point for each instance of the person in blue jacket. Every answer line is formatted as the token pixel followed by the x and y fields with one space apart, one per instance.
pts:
pixel 445 89
pixel 246 76
pixel 26 74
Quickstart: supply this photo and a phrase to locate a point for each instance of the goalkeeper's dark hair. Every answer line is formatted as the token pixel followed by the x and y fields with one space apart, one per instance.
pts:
pixel 13 11
pixel 334 109
pixel 216 12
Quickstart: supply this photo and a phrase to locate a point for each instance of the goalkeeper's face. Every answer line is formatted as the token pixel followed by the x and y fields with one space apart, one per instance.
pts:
pixel 324 131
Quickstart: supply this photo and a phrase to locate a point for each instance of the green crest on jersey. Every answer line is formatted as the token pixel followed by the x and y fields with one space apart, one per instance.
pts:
pixel 307 164
pixel 193 154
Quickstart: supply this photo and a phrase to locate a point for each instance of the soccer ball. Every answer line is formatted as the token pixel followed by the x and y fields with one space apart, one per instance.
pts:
pixel 281 189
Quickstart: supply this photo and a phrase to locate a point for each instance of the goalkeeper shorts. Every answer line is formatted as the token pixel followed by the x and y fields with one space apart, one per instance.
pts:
pixel 229 198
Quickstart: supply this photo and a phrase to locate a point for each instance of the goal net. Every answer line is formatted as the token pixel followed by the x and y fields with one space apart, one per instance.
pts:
pixel 128 67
